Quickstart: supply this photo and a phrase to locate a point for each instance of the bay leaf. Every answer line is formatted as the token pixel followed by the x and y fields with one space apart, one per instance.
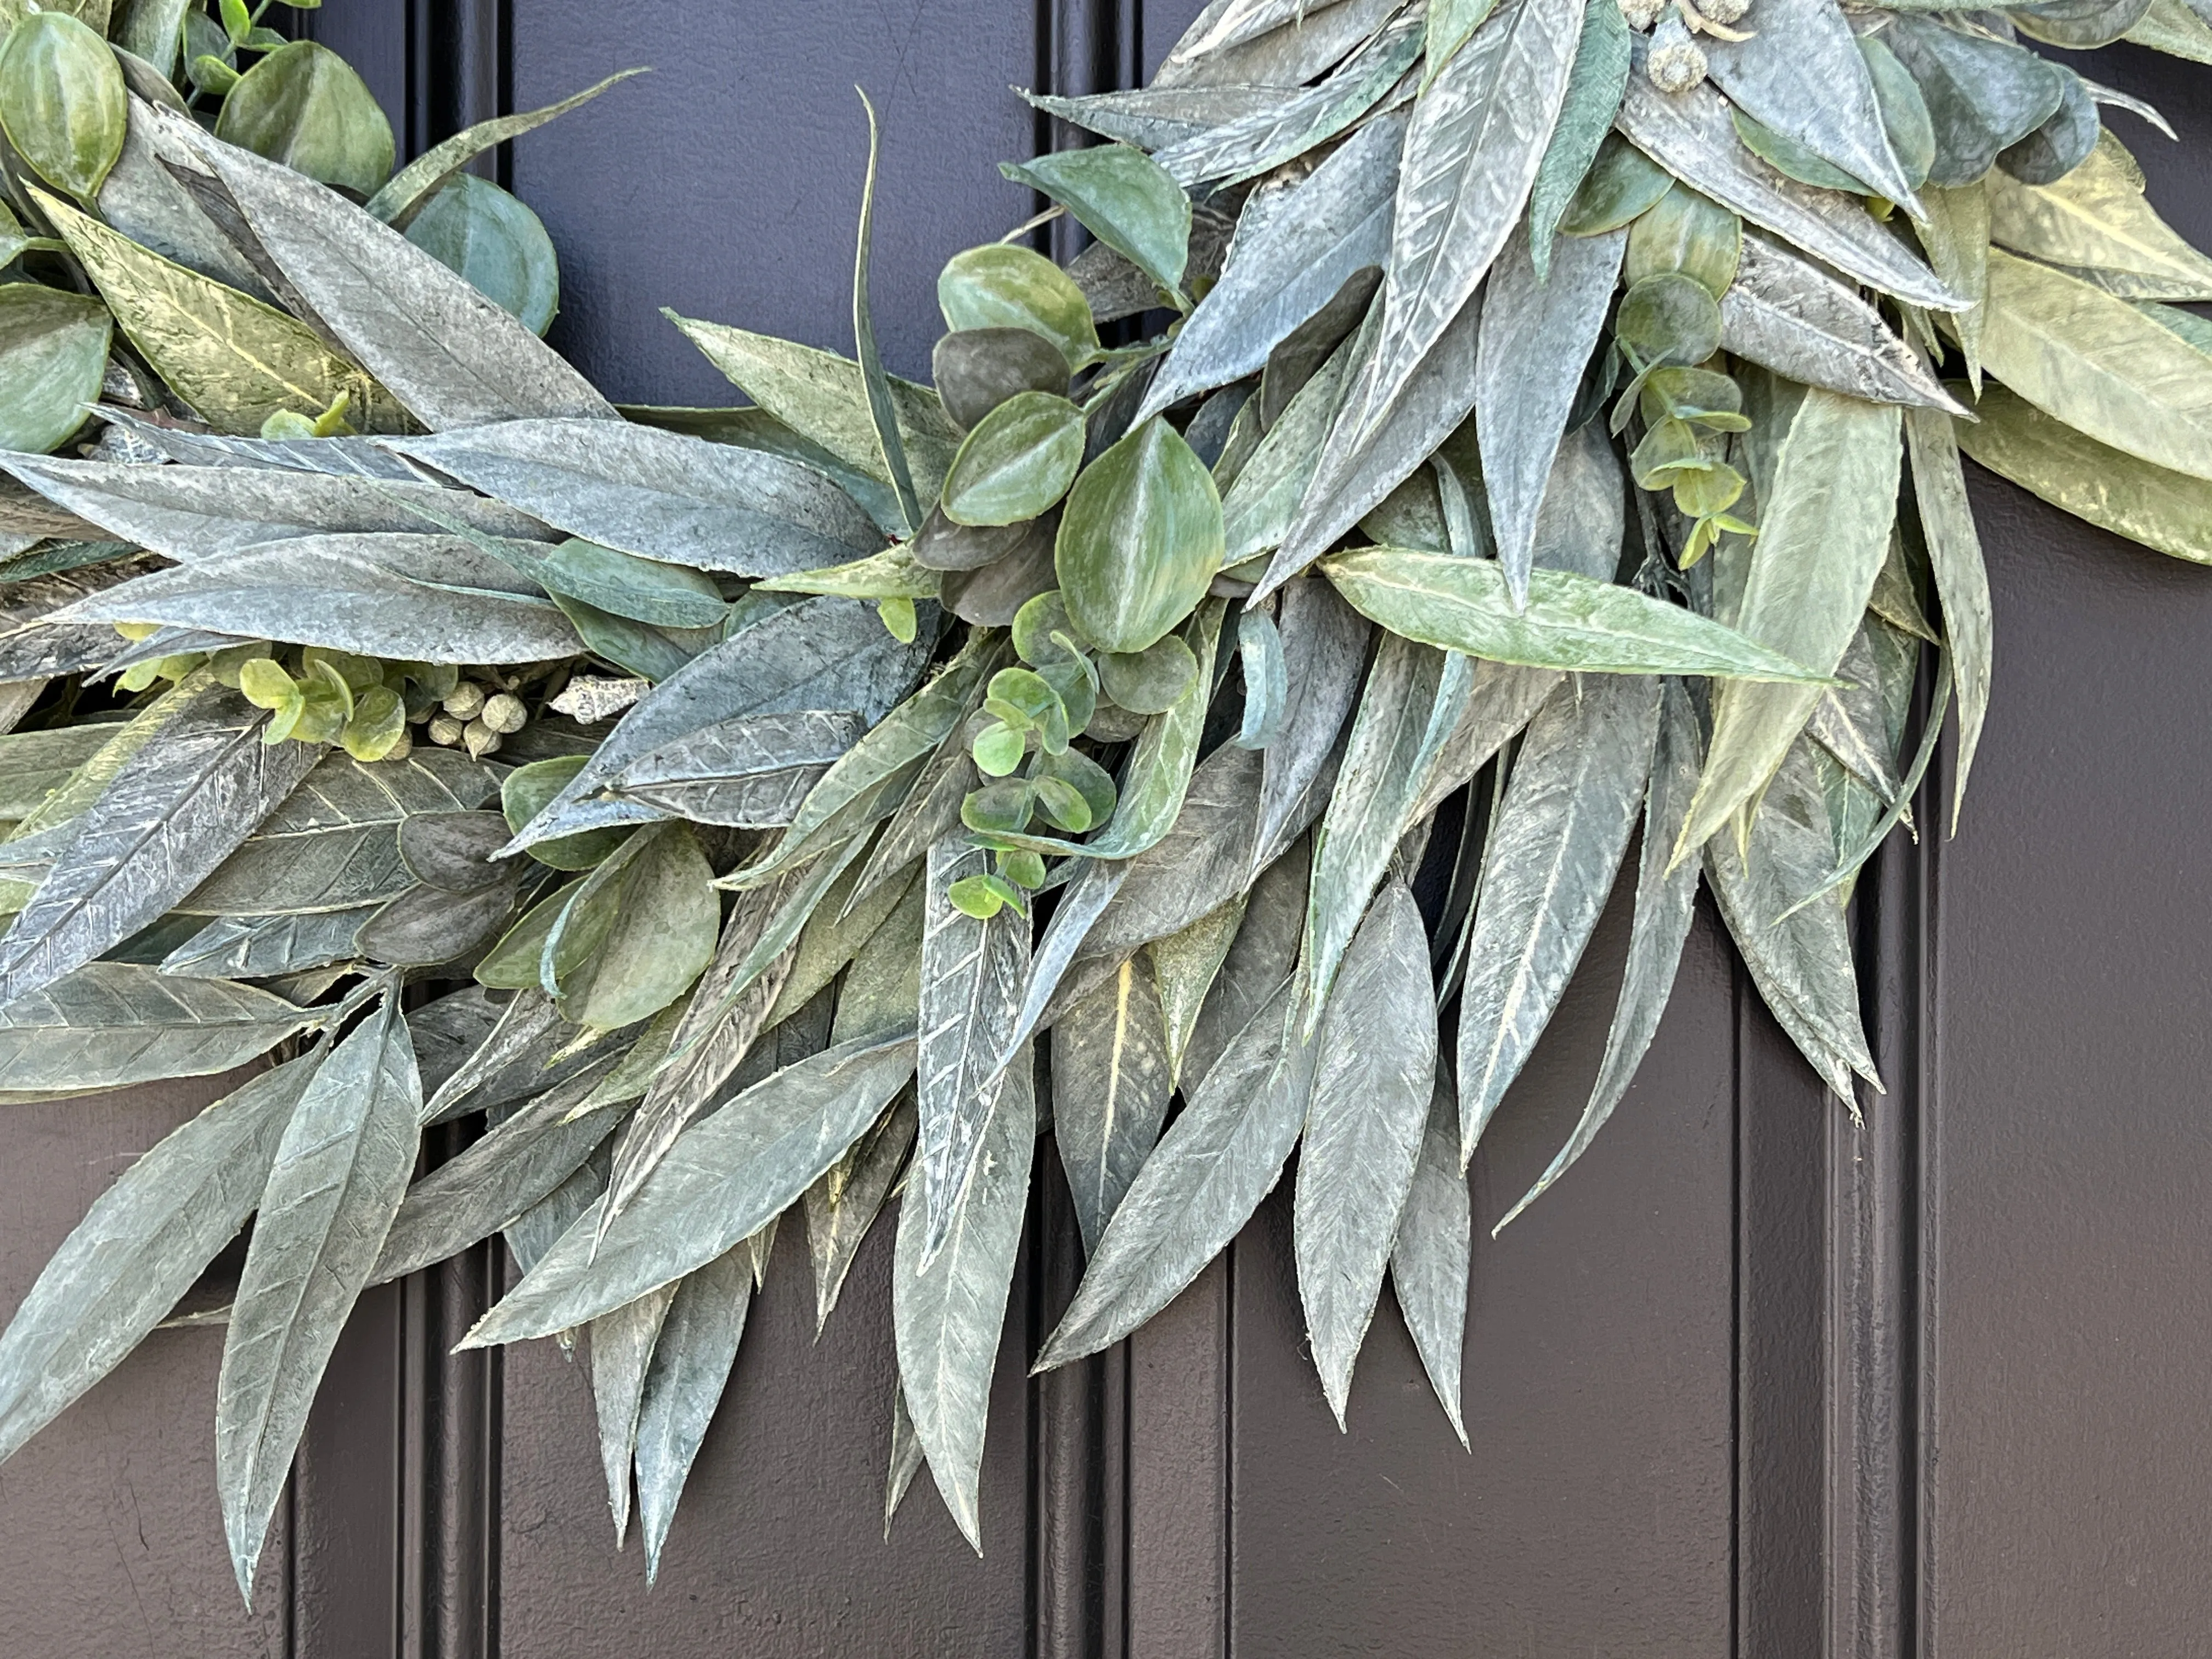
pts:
pixel 143 201
pixel 1110 1084
pixel 1572 800
pixel 1824 533
pixel 1429 1260
pixel 1263 503
pixel 340 1171
pixel 1374 1074
pixel 1783 314
pixel 949 1299
pixel 1537 335
pixel 691 1368
pixel 1154 117
pixel 349 458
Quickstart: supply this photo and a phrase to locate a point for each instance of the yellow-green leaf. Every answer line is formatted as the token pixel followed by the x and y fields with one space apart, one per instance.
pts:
pixel 2097 217
pixel 61 101
pixel 303 105
pixel 54 350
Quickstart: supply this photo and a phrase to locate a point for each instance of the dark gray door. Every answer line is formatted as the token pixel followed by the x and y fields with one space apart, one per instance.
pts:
pixel 1750 1382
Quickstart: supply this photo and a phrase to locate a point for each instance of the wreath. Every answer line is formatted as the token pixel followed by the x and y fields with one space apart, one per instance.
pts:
pixel 1206 722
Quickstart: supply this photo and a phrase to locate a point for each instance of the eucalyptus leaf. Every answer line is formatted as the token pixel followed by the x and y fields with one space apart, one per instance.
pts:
pixel 1783 314
pixel 949 1299
pixel 1572 800
pixel 305 107
pixel 1374 1074
pixel 1125 198
pixel 1016 463
pixel 1430 1258
pixel 1983 94
pixel 489 238
pixel 53 351
pixel 340 1171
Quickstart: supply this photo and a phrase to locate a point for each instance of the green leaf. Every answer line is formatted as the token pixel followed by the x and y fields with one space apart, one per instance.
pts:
pixel 753 772
pixel 1595 86
pixel 728 1177
pixel 1110 1084
pixel 821 395
pixel 415 183
pixel 999 286
pixel 1184 966
pixel 63 102
pixel 1429 1260
pixel 34 764
pixel 2097 217
pixel 233 360
pixel 303 105
pixel 644 924
pixel 1569 808
pixel 623 1343
pixel 1955 548
pixel 843 1204
pixel 1016 462
pixel 1263 502
pixel 1983 94
pixel 1140 539
pixel 1220 1157
pixel 1572 621
pixel 110 1026
pixel 138 1249
pixel 1621 184
pixel 2171 27
pixel 53 351
pixel 526 792
pixel 339 1175
pixel 2100 365
pixel 1665 906
pixel 882 412
pixel 478 231
pixel 949 1300
pixel 2169 511
pixel 690 1367
pixel 1783 314
pixel 1374 1072
pixel 1124 198
pixel 643 590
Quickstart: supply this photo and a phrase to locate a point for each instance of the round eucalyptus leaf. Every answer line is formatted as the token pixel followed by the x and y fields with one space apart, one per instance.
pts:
pixel 1002 806
pixel 1035 623
pixel 1622 183
pixel 942 545
pixel 425 926
pixel 53 351
pixel 1793 160
pixel 1140 537
pixel 1669 318
pixel 996 286
pixel 1019 460
pixel 643 590
pixel 453 851
pixel 303 105
pixel 1148 682
pixel 1904 118
pixel 990 597
pixel 473 226
pixel 2080 24
pixel 63 103
pixel 1089 779
pixel 976 369
pixel 1687 232
pixel 2060 144
pixel 525 793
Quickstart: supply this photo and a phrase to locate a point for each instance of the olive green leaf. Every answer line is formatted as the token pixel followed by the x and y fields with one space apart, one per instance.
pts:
pixel 1016 462
pixel 417 181
pixel 1184 966
pixel 63 103
pixel 1983 95
pixel 1665 906
pixel 1374 1074
pixel 726 1178
pixel 1684 232
pixel 971 992
pixel 1799 71
pixel 1692 136
pixel 1266 680
pixel 169 819
pixel 1449 24
pixel 999 286
pixel 1220 1157
pixel 977 369
pixel 233 360
pixel 53 351
pixel 1801 966
pixel 1595 86
pixel 1429 1260
pixel 1262 504
pixel 2169 511
pixel 151 30
pixel 1537 335
pixel 1954 549
pixel 112 1024
pixel 1955 231
pixel 1784 314
pixel 303 105
pixel 1123 197
pixel 340 1172
pixel 1569 808
pixel 34 764
pixel 1110 1084
pixel 1824 534
pixel 1249 145
pixel 690 1367
pixel 450 356
pixel 477 230
pixel 143 200
pixel 1140 540
pixel 820 396
pixel 1289 264
pixel 2100 365
pixel 622 1342
pixel 2097 217
pixel 1572 621
pixel 333 844
pixel 642 590
pixel 138 1249
pixel 949 1300
pixel 1620 184
pixel 843 1204
pixel 640 930
pixel 1477 136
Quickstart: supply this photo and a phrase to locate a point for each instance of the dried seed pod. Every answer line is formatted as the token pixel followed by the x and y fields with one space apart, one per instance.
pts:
pixel 466 701
pixel 479 739
pixel 1725 12
pixel 505 713
pixel 401 749
pixel 1677 62
pixel 1642 14
pixel 446 730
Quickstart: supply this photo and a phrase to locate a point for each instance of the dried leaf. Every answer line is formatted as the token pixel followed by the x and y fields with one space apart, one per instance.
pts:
pixel 1783 314
pixel 139 1248
pixel 340 1171
pixel 1428 1261
pixel 1374 1074
pixel 949 1299
pixel 1110 1085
